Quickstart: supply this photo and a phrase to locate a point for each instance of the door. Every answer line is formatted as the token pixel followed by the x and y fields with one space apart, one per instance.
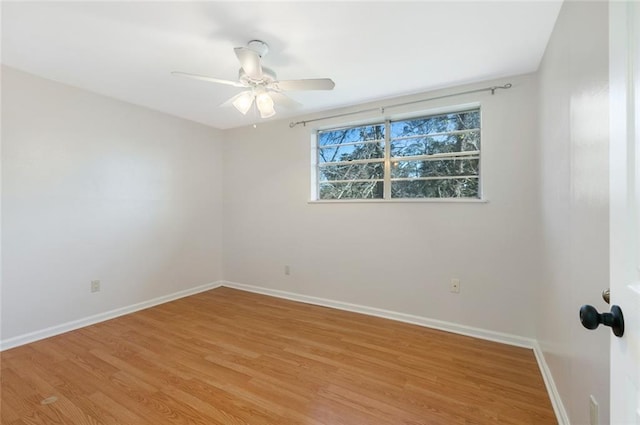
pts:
pixel 624 54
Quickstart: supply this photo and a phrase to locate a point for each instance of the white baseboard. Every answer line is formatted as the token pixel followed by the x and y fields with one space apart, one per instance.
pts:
pixel 101 317
pixel 393 315
pixel 554 395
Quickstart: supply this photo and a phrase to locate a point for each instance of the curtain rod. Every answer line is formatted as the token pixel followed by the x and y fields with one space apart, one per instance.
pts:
pixel 492 89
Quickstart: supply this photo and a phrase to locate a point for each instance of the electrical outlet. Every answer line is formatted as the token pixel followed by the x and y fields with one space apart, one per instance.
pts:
pixel 455 286
pixel 95 286
pixel 287 270
pixel 593 411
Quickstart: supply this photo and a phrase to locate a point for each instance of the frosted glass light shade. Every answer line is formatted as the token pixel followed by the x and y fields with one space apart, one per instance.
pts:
pixel 243 102
pixel 265 105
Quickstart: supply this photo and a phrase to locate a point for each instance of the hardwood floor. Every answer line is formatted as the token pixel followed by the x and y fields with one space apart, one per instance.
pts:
pixel 230 357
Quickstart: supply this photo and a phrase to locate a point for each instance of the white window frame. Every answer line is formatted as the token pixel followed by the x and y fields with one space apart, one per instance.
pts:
pixel 315 182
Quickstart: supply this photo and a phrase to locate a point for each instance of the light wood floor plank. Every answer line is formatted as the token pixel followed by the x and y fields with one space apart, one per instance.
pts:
pixel 227 357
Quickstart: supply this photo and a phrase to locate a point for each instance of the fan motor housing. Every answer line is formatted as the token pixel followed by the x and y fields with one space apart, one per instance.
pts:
pixel 259 46
pixel 268 77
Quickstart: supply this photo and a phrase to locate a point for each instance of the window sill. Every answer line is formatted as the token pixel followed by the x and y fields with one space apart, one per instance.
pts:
pixel 399 201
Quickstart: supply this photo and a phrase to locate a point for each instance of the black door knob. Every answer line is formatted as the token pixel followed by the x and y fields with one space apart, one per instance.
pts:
pixel 591 319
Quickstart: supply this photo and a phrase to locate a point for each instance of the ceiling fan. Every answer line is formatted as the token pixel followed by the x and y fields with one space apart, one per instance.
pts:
pixel 261 83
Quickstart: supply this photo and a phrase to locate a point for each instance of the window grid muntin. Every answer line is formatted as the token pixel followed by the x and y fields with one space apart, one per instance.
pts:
pixel 355 161
pixel 449 156
pixel 352 180
pixel 446 133
pixel 336 145
pixel 411 179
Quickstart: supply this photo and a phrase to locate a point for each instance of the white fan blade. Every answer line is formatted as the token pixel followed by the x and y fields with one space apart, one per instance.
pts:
pixel 250 62
pixel 209 79
pixel 310 84
pixel 283 100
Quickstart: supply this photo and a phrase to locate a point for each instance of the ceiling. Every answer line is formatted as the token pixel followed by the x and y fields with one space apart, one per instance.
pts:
pixel 372 50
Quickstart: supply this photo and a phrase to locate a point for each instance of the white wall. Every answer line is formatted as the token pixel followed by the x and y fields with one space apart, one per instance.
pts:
pixel 396 256
pixel 94 188
pixel 573 125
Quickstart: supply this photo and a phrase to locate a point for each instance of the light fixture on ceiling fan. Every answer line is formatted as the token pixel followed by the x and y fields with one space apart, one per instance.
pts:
pixel 263 101
pixel 263 88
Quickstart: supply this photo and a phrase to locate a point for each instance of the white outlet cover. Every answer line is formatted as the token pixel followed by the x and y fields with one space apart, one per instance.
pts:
pixel 455 285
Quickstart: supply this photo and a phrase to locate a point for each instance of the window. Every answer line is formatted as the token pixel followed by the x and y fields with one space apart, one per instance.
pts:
pixel 436 156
